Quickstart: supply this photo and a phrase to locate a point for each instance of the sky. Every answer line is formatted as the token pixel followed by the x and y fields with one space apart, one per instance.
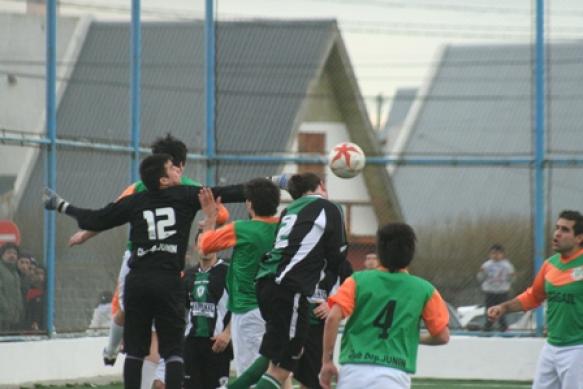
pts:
pixel 392 43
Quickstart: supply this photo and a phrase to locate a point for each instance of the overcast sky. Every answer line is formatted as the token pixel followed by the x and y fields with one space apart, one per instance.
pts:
pixel 392 43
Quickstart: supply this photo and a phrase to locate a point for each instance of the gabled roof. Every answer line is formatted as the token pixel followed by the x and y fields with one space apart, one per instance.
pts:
pixel 402 103
pixel 479 101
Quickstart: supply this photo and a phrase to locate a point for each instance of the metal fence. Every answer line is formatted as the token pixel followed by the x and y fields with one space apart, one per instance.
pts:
pixel 484 150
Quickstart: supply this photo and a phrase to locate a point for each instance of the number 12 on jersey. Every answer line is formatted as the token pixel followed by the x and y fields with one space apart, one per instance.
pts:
pixel 159 221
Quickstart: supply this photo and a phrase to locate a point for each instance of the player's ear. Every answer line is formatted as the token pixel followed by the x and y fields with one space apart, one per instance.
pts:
pixel 164 181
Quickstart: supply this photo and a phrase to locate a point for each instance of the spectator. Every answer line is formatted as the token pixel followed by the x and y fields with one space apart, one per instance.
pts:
pixel 102 313
pixel 35 300
pixel 496 276
pixel 11 302
pixel 371 261
pixel 25 271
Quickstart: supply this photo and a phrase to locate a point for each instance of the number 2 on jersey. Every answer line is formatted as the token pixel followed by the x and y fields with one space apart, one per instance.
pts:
pixel 158 225
pixel 384 319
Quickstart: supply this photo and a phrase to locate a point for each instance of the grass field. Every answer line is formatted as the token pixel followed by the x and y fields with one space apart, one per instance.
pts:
pixel 417 384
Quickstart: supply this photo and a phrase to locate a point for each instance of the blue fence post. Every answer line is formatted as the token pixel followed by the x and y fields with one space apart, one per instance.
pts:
pixel 209 34
pixel 539 157
pixel 135 95
pixel 51 161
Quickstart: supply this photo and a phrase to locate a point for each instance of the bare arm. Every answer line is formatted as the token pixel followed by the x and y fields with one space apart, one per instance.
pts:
pixel 81 237
pixel 329 370
pixel 495 312
pixel 435 340
pixel 221 341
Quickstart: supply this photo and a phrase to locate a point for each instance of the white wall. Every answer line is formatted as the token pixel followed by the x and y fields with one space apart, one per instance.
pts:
pixel 343 190
pixel 55 360
pixel 80 359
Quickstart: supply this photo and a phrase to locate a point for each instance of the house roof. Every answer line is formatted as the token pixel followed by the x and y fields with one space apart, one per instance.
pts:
pixel 402 102
pixel 479 101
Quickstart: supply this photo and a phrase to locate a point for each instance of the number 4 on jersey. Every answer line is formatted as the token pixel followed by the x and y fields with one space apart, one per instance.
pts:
pixel 384 319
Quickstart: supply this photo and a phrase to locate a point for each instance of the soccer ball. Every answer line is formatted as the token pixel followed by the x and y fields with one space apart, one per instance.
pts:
pixel 346 160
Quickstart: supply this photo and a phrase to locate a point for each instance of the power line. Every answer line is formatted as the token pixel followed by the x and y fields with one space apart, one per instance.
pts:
pixel 280 94
pixel 449 7
pixel 266 65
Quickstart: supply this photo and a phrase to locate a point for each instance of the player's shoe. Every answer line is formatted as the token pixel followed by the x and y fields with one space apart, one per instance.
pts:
pixel 109 358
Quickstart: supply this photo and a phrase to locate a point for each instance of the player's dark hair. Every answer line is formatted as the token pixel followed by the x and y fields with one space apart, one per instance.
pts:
pixel 263 195
pixel 576 217
pixel 300 184
pixel 396 245
pixel 171 146
pixel 497 247
pixel 152 169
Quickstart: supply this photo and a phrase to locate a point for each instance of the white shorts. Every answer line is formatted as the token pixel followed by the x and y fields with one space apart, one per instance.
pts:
pixel 121 278
pixel 353 376
pixel 247 331
pixel 559 368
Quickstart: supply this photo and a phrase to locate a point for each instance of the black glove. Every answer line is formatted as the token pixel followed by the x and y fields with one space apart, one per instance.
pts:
pixel 53 201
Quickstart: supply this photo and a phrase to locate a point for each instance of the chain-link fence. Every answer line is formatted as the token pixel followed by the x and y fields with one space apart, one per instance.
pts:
pixel 450 146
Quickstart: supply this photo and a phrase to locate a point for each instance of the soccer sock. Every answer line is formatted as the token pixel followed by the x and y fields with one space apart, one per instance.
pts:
pixel 132 372
pixel 115 337
pixel 174 372
pixel 251 375
pixel 267 382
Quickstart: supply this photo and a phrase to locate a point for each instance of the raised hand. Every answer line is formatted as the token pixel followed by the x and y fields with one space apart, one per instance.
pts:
pixel 53 202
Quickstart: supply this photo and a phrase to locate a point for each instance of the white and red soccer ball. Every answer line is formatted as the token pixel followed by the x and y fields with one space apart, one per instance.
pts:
pixel 346 160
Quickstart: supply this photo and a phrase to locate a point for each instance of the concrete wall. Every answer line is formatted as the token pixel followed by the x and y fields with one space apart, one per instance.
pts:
pixel 79 360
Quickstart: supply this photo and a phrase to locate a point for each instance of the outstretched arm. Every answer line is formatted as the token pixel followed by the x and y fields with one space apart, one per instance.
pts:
pixel 112 215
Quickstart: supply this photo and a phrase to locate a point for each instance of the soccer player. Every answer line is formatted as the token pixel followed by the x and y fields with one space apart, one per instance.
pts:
pixel 310 239
pixel 560 283
pixel 207 347
pixel 250 240
pixel 309 365
pixel 160 220
pixel 178 151
pixel 380 340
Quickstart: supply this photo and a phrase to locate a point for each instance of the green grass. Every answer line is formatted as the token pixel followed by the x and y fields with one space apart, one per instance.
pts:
pixel 468 384
pixel 417 384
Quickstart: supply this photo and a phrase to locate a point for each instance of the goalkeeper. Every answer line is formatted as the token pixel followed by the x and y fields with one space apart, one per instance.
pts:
pixel 160 221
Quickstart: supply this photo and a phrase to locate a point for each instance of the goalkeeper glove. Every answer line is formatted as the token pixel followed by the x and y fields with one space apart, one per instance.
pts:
pixel 53 201
pixel 281 180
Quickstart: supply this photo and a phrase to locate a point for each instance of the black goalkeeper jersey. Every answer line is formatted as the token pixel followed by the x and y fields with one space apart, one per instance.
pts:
pixel 160 223
pixel 311 239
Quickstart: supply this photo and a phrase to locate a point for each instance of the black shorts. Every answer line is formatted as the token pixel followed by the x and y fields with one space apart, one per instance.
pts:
pixel 286 323
pixel 203 368
pixel 308 369
pixel 154 297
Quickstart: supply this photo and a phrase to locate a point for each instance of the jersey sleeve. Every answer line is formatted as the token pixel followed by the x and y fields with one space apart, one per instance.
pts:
pixel 112 215
pixel 229 193
pixel 435 314
pixel 130 190
pixel 222 215
pixel 217 240
pixel 535 294
pixel 336 244
pixel 345 297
